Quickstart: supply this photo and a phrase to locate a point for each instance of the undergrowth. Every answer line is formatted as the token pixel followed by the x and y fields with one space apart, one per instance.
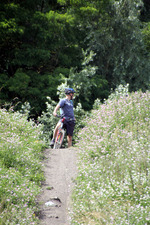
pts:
pixel 113 175
pixel 20 168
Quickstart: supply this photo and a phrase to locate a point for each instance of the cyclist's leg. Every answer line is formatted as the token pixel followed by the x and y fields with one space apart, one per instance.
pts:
pixel 69 139
pixel 70 128
pixel 55 133
pixel 56 130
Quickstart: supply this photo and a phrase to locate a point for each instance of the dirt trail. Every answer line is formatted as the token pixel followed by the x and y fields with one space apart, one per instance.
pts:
pixel 60 171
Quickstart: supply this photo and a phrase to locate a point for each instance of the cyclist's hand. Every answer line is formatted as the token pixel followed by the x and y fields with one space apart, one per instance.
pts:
pixel 55 110
pixel 54 114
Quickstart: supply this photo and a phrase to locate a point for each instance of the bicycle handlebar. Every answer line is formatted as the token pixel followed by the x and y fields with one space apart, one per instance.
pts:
pixel 59 116
pixel 62 118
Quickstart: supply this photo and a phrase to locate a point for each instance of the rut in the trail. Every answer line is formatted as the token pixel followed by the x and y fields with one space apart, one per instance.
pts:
pixel 60 171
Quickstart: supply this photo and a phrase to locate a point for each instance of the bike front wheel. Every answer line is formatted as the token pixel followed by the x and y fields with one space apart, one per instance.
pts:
pixel 59 139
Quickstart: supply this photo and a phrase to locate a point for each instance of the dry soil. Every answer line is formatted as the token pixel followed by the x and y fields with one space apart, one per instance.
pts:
pixel 55 200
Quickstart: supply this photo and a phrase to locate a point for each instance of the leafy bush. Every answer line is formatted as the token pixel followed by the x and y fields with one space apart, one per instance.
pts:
pixel 112 184
pixel 120 91
pixel 20 168
pixel 48 121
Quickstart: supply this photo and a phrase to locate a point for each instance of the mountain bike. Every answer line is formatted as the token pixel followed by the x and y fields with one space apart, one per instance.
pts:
pixel 60 135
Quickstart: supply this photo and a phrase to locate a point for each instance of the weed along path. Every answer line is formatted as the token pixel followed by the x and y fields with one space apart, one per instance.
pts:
pixel 60 171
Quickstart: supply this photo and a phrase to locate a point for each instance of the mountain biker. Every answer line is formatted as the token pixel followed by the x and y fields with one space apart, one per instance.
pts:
pixel 66 106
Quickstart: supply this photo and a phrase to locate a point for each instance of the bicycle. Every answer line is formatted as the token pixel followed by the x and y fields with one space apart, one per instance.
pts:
pixel 60 135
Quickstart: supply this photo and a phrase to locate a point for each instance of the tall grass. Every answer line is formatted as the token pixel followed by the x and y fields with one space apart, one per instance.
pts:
pixel 20 169
pixel 113 181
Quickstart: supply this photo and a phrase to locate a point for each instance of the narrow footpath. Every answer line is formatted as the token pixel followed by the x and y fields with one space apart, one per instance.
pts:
pixel 55 200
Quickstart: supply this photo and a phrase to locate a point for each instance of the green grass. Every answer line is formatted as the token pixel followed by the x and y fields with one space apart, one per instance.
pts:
pixel 113 181
pixel 20 169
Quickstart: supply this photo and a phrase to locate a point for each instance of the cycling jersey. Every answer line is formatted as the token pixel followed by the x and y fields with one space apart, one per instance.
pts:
pixel 66 109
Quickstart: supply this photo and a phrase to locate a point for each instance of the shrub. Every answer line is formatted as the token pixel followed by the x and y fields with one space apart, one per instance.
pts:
pixel 20 168
pixel 112 184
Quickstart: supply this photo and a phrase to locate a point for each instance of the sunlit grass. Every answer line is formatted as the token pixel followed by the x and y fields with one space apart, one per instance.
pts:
pixel 20 168
pixel 113 181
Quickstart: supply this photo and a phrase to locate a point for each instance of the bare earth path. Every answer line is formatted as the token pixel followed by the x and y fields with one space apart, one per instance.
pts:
pixel 60 171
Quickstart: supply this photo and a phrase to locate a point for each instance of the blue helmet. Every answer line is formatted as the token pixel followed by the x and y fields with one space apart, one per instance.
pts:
pixel 69 90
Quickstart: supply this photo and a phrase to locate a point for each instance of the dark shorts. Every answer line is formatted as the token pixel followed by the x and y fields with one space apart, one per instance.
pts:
pixel 69 126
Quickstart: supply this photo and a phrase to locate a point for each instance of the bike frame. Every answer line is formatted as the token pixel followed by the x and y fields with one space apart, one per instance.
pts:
pixel 60 135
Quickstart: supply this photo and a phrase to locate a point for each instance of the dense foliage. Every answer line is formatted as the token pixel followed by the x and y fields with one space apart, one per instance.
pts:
pixel 113 177
pixel 43 43
pixel 34 50
pixel 20 168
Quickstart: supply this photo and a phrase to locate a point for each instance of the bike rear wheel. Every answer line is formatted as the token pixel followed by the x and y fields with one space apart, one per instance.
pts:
pixel 59 139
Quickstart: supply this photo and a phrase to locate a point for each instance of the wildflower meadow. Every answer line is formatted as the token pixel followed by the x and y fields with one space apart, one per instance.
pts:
pixel 113 186
pixel 20 169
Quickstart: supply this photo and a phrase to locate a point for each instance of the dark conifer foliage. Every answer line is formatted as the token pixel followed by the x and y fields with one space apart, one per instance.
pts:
pixel 145 12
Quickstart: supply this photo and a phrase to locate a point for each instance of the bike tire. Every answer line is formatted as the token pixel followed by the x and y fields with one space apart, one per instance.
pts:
pixel 59 139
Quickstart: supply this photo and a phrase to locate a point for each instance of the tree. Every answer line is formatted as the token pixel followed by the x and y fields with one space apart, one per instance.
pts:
pixel 145 11
pixel 117 40
pixel 87 84
pixel 37 43
pixel 145 18
pixel 41 44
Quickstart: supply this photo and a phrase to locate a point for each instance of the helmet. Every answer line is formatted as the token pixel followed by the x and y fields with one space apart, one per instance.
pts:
pixel 69 90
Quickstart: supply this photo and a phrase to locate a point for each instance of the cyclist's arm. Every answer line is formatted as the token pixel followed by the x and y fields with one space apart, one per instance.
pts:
pixel 55 110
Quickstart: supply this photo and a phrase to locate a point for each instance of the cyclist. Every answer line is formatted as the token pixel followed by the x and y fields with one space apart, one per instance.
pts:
pixel 66 106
